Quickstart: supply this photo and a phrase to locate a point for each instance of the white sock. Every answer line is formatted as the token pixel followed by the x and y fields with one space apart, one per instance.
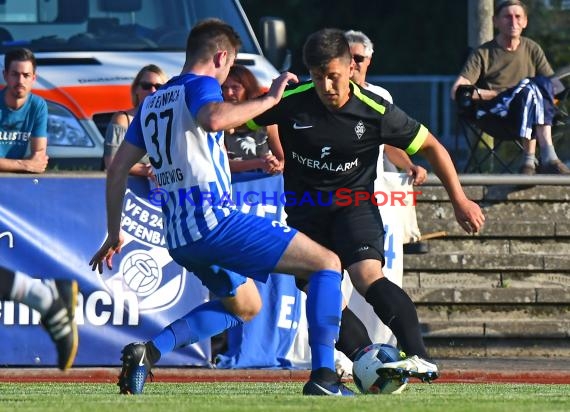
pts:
pixel 31 292
pixel 530 160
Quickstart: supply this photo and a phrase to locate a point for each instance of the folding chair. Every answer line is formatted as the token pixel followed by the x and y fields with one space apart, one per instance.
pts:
pixel 493 145
pixel 561 125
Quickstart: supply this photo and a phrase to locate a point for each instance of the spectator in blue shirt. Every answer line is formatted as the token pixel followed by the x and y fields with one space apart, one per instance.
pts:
pixel 23 116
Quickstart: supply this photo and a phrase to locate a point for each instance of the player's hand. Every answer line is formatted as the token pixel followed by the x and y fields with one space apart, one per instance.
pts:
pixel 106 252
pixel 469 216
pixel 272 164
pixel 278 85
pixel 277 167
pixel 150 174
pixel 418 173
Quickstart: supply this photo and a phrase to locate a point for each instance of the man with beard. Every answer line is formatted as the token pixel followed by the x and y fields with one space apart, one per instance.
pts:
pixel 23 116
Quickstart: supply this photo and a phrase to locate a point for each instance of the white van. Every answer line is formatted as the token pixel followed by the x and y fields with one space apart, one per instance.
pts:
pixel 88 52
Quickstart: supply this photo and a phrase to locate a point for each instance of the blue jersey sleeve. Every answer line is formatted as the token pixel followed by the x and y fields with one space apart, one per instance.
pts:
pixel 201 91
pixel 40 116
pixel 134 133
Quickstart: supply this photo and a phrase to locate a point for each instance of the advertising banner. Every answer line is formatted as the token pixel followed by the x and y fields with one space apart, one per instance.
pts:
pixel 51 225
pixel 49 228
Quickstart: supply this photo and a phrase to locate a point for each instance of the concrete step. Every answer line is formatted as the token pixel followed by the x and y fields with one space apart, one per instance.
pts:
pixel 504 292
pixel 495 226
pixel 484 280
pixel 472 261
pixel 485 296
pixel 496 246
pixel 517 367
pixel 452 319
pixel 540 211
pixel 530 328
pixel 451 347
pixel 492 194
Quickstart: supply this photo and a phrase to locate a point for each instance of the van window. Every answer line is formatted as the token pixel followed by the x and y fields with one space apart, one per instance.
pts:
pixel 111 25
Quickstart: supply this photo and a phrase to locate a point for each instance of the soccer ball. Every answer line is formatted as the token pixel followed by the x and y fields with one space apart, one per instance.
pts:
pixel 365 370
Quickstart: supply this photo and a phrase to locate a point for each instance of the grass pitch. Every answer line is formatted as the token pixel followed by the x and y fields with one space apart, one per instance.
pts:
pixel 280 396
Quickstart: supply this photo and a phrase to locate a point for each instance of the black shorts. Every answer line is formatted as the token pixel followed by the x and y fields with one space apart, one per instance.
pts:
pixel 354 233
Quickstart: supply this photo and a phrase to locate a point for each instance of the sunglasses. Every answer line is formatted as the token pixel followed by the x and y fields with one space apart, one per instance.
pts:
pixel 358 58
pixel 148 86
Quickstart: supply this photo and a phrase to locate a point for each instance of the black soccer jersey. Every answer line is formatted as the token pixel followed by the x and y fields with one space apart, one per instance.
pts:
pixel 326 150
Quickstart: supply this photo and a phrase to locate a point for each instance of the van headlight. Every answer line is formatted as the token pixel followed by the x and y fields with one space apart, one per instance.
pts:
pixel 64 129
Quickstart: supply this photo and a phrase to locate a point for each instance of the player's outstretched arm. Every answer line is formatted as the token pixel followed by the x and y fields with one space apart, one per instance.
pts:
pixel 468 213
pixel 218 116
pixel 117 176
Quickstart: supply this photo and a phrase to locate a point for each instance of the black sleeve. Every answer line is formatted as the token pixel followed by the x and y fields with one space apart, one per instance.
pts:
pixel 397 128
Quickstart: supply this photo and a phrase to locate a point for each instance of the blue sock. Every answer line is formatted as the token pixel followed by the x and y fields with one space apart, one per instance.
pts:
pixel 324 299
pixel 202 322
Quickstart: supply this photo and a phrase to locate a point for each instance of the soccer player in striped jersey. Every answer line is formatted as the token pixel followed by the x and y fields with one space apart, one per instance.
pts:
pixel 181 127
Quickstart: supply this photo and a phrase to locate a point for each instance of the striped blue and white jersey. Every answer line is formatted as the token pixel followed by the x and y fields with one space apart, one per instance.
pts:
pixel 190 164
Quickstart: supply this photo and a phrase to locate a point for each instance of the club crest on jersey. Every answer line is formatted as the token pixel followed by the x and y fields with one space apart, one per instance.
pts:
pixel 144 268
pixel 359 129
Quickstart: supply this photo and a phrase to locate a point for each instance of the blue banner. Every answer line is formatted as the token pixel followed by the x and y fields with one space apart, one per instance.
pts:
pixel 51 225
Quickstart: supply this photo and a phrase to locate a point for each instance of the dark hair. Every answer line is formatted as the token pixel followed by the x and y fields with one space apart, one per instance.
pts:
pixel 506 3
pixel 208 36
pixel 323 46
pixel 20 54
pixel 246 78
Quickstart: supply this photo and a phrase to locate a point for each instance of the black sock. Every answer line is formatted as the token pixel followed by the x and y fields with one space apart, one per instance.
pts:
pixel 353 335
pixel 397 311
pixel 324 374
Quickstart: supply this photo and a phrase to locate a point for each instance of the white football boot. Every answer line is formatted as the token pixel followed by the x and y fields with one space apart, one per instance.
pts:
pixel 413 366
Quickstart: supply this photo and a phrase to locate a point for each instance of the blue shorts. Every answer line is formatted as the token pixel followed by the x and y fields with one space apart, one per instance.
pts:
pixel 241 246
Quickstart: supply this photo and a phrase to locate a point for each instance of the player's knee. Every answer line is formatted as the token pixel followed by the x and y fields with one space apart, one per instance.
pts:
pixel 249 311
pixel 249 305
pixel 246 303
pixel 331 261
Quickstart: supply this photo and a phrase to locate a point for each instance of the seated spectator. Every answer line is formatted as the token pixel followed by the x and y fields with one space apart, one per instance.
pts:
pixel 250 150
pixel 23 116
pixel 511 74
pixel 147 80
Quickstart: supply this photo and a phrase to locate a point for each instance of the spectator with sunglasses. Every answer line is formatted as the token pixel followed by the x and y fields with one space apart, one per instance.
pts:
pixel 361 48
pixel 147 81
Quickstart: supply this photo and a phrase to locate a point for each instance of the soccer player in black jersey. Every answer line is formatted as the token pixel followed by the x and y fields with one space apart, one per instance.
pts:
pixel 331 130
